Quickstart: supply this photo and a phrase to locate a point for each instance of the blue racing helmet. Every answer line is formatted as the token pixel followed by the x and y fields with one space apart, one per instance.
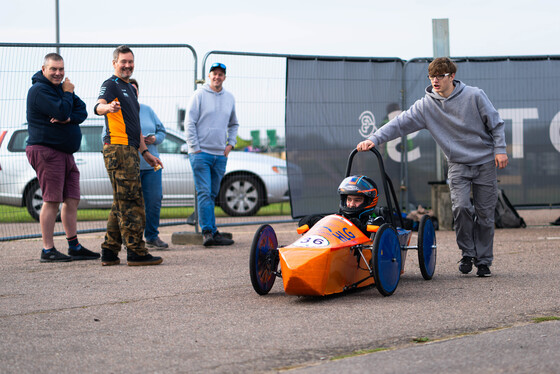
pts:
pixel 358 185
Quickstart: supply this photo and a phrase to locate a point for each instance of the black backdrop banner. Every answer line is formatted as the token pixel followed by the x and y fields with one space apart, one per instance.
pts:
pixel 332 104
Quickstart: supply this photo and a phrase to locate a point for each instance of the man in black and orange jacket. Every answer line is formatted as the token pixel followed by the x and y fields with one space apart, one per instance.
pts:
pixel 118 102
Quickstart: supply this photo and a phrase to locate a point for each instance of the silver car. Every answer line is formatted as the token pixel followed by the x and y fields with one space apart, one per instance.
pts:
pixel 251 181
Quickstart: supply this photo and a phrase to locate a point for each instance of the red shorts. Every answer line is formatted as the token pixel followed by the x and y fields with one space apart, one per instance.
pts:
pixel 58 175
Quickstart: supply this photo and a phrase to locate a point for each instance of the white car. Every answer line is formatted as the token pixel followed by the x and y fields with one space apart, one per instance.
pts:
pixel 251 181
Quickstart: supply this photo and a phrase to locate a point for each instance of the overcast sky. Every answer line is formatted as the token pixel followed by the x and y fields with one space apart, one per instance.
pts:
pixel 328 27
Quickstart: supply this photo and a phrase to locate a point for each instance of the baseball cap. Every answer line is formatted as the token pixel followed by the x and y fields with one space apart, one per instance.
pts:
pixel 218 65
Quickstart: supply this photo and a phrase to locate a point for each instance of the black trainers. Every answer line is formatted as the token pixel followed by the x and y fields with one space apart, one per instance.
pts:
pixel 207 239
pixel 83 254
pixel 465 265
pixel 156 244
pixel 484 271
pixel 109 258
pixel 54 256
pixel 134 259
pixel 221 240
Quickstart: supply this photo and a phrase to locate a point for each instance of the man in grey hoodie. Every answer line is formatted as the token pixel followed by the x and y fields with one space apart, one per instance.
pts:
pixel 211 134
pixel 470 132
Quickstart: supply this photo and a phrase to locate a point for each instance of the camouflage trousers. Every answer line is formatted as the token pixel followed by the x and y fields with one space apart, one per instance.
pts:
pixel 127 218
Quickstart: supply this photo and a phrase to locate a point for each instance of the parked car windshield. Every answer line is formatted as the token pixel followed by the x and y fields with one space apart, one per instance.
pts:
pixel 91 139
pixel 19 141
pixel 171 144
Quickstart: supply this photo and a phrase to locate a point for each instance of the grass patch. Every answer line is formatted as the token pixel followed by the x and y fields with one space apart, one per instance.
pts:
pixel 421 340
pixel 102 214
pixel 358 353
pixel 546 319
pixel 278 209
pixel 12 214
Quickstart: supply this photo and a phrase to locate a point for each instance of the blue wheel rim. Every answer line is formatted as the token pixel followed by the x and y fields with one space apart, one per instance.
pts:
pixel 427 247
pixel 265 272
pixel 389 260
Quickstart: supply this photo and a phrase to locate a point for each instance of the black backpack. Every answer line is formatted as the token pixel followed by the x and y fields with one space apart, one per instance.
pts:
pixel 505 215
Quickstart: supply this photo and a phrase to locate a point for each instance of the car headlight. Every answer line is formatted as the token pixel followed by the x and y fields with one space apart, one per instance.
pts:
pixel 282 170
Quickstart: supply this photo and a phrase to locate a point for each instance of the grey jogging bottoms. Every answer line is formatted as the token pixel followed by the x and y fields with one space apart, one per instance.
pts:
pixel 474 226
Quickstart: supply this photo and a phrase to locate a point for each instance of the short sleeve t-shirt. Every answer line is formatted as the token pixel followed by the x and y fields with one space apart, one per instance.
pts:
pixel 122 127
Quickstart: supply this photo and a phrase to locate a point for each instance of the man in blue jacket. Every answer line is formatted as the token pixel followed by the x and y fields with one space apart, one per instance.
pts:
pixel 54 114
pixel 154 133
pixel 470 132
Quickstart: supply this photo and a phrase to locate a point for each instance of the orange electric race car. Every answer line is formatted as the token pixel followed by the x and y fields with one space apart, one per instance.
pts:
pixel 335 255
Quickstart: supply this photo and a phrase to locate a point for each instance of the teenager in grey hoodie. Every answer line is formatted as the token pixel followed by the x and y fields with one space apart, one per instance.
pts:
pixel 470 132
pixel 211 134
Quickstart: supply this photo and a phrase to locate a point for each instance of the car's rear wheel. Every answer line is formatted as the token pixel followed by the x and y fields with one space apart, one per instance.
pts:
pixel 386 259
pixel 34 201
pixel 241 195
pixel 427 248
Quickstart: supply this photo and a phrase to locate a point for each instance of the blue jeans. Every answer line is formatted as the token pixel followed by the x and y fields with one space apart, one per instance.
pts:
pixel 208 171
pixel 151 188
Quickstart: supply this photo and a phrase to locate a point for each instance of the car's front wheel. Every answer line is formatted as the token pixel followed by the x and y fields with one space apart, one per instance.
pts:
pixel 241 195
pixel 34 201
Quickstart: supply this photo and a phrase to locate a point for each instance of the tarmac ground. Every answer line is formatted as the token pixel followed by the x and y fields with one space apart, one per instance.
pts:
pixel 198 313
